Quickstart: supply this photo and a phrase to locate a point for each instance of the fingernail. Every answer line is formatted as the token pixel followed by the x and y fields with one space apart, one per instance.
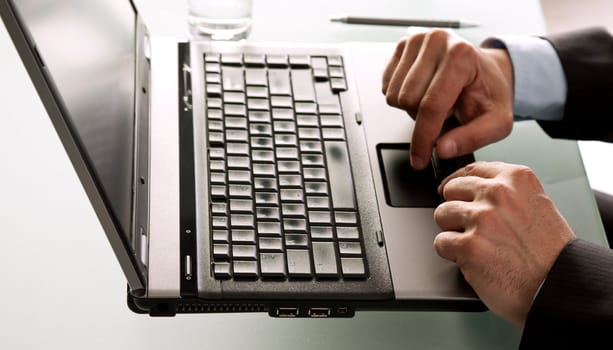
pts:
pixel 449 149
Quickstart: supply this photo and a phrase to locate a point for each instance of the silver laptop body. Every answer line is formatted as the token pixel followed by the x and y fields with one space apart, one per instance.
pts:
pixel 134 114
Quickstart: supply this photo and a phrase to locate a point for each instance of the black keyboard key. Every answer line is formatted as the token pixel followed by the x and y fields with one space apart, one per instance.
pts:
pixel 221 251
pixel 299 61
pixel 254 60
pixel 245 269
pixel 350 248
pixel 353 267
pixel 235 59
pixel 244 251
pixel 243 236
pixel 222 270
pixel 271 244
pixel 302 83
pixel 296 240
pixel 347 233
pixel 268 213
pixel 339 170
pixel 256 77
pixel 277 60
pixel 279 82
pixel 324 259
pixel 272 264
pixel 298 263
pixel 232 79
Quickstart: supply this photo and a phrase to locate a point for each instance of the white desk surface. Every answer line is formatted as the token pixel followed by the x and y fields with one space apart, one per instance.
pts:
pixel 61 287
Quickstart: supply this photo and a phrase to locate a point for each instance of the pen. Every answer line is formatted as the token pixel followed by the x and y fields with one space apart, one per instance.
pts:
pixel 405 22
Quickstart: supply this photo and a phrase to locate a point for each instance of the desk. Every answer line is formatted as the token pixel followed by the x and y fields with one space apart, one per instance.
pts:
pixel 62 288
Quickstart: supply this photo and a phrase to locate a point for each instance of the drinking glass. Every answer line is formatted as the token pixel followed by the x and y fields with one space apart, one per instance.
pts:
pixel 220 19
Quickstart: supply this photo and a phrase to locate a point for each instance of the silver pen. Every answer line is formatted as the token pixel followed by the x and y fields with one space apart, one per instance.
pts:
pixel 405 22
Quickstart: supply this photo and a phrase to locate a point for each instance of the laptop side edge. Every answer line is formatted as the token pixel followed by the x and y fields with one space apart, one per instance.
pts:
pixel 164 182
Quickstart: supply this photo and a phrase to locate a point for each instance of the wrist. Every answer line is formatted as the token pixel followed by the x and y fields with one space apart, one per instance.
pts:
pixel 503 61
pixel 539 83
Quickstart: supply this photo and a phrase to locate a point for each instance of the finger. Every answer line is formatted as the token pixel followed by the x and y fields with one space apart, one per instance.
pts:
pixel 448 245
pixel 393 63
pixel 461 188
pixel 486 170
pixel 453 215
pixel 475 134
pixel 409 54
pixel 455 73
pixel 425 133
pixel 422 71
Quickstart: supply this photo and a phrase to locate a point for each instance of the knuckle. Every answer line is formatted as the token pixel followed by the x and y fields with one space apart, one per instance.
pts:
pixel 440 246
pixel 416 38
pixel 438 35
pixel 391 99
pixel 450 186
pixel 400 46
pixel 445 191
pixel 499 192
pixel 429 104
pixel 468 244
pixel 462 56
pixel 440 212
pixel 525 175
pixel 461 50
pixel 470 168
pixel 384 86
pixel 466 247
pixel 407 100
pixel 485 216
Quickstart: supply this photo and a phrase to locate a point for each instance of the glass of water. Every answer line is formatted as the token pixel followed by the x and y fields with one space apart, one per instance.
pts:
pixel 220 19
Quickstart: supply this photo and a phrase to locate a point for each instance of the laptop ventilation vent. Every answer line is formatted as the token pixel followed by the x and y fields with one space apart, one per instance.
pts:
pixel 194 307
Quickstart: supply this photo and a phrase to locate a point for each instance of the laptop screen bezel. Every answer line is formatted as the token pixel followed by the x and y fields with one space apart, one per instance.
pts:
pixel 59 116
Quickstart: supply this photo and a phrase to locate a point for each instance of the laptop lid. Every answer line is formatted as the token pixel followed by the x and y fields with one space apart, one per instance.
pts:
pixel 82 59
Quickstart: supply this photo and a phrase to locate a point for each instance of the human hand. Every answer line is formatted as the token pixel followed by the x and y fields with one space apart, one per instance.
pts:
pixel 436 74
pixel 502 231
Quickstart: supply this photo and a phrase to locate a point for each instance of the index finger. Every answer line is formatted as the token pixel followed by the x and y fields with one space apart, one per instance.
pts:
pixel 436 106
pixel 486 170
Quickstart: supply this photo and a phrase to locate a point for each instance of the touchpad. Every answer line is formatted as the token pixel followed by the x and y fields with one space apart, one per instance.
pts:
pixel 405 186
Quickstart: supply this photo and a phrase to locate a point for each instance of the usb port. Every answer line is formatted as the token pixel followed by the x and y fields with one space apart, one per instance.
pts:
pixel 287 312
pixel 319 312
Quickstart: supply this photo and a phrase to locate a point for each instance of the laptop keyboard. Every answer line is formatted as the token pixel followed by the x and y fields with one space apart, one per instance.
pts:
pixel 282 200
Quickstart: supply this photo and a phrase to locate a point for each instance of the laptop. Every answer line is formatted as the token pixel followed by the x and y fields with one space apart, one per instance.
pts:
pixel 236 177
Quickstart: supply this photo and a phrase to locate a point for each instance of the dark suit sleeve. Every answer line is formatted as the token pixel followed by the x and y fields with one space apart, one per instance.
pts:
pixel 587 61
pixel 574 306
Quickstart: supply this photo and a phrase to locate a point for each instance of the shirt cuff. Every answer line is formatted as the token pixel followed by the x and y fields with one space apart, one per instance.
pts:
pixel 539 81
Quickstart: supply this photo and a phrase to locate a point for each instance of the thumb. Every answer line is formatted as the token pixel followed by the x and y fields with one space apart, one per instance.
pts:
pixel 477 133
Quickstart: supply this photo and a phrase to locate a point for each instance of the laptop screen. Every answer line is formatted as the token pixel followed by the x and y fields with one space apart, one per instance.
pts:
pixel 88 49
